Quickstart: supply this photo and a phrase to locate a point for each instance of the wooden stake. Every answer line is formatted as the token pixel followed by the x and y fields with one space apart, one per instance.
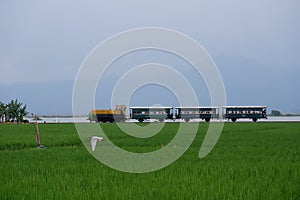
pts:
pixel 37 134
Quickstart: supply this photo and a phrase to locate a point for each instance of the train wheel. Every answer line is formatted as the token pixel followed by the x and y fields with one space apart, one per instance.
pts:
pixel 141 120
pixel 233 119
pixel 207 119
pixel 161 120
pixel 254 119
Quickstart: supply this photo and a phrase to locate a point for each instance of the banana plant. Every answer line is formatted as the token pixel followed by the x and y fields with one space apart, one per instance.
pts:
pixel 13 111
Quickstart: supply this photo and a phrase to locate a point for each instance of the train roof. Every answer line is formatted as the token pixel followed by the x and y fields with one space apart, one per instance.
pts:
pixel 195 107
pixel 150 107
pixel 244 106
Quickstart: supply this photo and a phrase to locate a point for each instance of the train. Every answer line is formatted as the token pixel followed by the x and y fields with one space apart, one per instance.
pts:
pixel 252 112
pixel 116 115
pixel 187 113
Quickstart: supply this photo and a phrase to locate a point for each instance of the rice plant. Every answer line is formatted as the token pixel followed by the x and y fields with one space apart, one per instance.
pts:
pixel 250 161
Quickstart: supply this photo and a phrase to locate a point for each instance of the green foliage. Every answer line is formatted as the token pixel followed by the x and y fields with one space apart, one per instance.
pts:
pixel 275 113
pixel 250 161
pixel 2 111
pixel 13 111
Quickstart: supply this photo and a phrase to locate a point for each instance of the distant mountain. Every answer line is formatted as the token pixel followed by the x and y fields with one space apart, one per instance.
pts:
pixel 41 98
pixel 248 82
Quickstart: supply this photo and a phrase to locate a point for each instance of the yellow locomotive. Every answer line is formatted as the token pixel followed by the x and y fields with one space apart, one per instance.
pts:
pixel 116 115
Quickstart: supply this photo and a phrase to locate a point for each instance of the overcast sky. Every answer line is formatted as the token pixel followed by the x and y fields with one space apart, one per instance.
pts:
pixel 255 45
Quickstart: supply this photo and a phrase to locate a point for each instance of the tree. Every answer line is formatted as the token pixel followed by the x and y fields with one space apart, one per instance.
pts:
pixel 22 113
pixel 13 111
pixel 275 113
pixel 2 111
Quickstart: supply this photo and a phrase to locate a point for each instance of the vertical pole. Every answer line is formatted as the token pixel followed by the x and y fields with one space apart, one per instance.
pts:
pixel 37 134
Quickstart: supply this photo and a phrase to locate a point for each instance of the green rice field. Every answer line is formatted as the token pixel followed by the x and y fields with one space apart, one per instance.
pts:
pixel 250 161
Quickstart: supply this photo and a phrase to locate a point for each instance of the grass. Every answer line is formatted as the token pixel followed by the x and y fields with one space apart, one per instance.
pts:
pixel 250 161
